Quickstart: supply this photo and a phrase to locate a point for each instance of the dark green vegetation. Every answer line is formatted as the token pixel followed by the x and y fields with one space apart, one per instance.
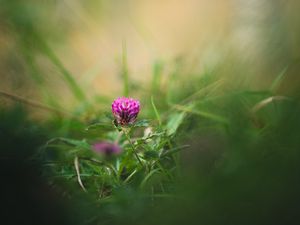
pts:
pixel 219 151
pixel 241 166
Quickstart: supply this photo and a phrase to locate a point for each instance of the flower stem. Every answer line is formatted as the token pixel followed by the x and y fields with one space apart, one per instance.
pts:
pixel 132 146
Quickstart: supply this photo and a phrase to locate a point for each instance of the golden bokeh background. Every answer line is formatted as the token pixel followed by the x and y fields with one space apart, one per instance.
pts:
pixel 252 39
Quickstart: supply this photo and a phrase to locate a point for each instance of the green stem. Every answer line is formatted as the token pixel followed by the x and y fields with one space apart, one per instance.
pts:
pixel 132 147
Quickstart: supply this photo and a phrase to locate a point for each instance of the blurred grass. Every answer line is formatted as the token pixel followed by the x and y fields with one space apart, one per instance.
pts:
pixel 241 166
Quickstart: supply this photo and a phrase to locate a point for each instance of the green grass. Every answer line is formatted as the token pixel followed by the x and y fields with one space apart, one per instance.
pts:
pixel 223 156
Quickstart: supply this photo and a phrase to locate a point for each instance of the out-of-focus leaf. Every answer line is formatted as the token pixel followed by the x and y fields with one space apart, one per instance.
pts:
pixel 277 81
pixel 149 175
pixel 141 123
pixel 78 143
pixel 151 154
pixel 155 111
pixel 208 115
pixel 174 122
pixel 174 150
pixel 97 125
pixel 108 115
pixel 130 176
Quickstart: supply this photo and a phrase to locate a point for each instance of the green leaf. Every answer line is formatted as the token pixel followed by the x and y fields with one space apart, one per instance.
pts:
pixel 109 115
pixel 151 154
pixel 211 116
pixel 155 111
pixel 97 125
pixel 149 175
pixel 275 84
pixel 141 123
pixel 174 122
pixel 174 150
pixel 130 176
pixel 208 115
pixel 78 143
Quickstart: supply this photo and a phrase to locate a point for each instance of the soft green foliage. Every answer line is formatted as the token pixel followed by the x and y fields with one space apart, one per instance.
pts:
pixel 236 140
pixel 147 154
pixel 207 153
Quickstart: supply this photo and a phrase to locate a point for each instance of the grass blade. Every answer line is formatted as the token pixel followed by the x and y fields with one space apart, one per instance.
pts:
pixel 149 175
pixel 275 84
pixel 155 111
pixel 71 82
pixel 207 115
pixel 76 164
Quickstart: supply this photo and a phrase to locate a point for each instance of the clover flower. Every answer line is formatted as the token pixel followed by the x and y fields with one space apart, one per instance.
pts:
pixel 125 110
pixel 107 148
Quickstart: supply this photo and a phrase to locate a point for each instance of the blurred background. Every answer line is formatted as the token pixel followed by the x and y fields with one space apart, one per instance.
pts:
pixel 229 68
pixel 42 42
